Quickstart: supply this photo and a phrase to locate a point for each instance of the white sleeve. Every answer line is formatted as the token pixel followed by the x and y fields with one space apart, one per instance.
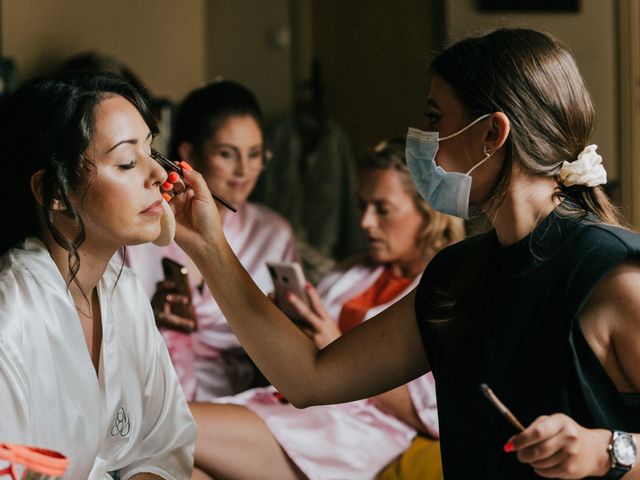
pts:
pixel 168 429
pixel 423 396
pixel 14 407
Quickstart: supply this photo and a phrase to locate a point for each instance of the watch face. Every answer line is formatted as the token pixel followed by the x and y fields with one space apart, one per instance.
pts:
pixel 624 450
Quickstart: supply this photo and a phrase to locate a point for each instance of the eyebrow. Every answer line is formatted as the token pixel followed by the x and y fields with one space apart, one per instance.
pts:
pixel 131 141
pixel 233 147
pixel 376 201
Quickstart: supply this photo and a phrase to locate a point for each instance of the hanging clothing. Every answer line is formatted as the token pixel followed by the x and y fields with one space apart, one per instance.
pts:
pixel 311 181
pixel 129 418
pixel 353 440
pixel 210 361
pixel 525 343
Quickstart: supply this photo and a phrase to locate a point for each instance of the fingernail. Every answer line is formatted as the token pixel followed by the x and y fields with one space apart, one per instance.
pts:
pixel 173 177
pixel 508 447
pixel 167 185
pixel 308 286
pixel 186 166
pixel 280 397
pixel 166 196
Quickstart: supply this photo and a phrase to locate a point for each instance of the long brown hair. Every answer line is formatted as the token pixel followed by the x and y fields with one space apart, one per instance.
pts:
pixel 533 79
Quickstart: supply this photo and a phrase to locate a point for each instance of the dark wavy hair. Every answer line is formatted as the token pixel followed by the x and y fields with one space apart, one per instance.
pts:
pixel 206 109
pixel 46 125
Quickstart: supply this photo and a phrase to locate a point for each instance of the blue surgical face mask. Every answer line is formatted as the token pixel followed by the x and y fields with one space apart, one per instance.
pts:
pixel 446 192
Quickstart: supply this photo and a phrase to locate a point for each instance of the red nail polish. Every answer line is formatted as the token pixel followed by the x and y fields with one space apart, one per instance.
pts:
pixel 308 286
pixel 508 447
pixel 186 166
pixel 166 196
pixel 167 185
pixel 280 397
pixel 173 177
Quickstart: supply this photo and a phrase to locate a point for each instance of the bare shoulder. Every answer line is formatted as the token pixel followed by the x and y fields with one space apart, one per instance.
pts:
pixel 610 321
pixel 619 290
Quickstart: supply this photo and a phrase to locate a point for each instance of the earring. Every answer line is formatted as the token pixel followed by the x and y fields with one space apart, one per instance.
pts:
pixel 485 151
pixel 58 205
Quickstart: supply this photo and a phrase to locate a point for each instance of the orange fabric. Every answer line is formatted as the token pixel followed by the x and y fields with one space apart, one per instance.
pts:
pixel 36 460
pixel 386 288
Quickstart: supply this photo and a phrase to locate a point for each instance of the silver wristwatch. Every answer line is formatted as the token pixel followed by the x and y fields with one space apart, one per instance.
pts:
pixel 624 453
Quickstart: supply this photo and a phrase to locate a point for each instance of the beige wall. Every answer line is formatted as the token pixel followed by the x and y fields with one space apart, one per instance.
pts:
pixel 249 42
pixel 374 54
pixel 163 41
pixel 375 57
pixel 629 41
pixel 591 35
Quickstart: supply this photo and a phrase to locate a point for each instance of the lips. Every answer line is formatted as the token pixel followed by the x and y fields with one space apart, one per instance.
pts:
pixel 154 209
pixel 373 241
pixel 238 185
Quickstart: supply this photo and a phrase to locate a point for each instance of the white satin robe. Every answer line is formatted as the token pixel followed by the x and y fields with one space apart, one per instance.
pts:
pixel 131 417
pixel 352 440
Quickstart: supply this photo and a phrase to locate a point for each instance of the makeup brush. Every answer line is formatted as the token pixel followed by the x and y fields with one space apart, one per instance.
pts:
pixel 169 165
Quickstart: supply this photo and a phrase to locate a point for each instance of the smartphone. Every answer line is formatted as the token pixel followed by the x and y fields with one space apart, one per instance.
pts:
pixel 179 275
pixel 288 277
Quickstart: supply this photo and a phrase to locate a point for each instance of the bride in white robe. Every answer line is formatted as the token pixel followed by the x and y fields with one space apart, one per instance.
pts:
pixel 83 369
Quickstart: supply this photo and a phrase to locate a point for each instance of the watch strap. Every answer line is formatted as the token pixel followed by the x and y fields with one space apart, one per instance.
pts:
pixel 616 472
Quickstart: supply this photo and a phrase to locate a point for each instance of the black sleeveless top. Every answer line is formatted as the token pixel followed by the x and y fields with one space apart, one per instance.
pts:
pixel 525 343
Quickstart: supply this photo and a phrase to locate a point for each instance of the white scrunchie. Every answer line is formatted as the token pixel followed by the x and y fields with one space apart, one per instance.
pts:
pixel 586 170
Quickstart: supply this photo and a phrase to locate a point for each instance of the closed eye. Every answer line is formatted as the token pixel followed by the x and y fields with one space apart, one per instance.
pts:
pixel 128 166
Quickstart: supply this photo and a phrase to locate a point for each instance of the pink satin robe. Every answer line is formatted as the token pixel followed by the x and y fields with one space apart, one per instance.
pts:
pixel 352 440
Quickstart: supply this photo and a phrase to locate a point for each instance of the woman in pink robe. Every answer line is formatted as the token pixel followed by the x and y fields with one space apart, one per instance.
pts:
pixel 259 432
pixel 218 129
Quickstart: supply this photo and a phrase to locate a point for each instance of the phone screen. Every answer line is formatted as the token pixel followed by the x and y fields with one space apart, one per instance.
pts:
pixel 179 275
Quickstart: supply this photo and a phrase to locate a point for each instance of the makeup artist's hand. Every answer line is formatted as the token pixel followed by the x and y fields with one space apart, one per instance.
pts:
pixel 197 218
pixel 558 447
pixel 322 328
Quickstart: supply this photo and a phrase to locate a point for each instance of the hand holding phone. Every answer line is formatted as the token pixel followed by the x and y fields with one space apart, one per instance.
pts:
pixel 314 320
pixel 288 277
pixel 172 301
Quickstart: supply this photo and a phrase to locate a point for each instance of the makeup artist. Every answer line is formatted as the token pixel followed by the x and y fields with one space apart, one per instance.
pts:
pixel 217 129
pixel 544 307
